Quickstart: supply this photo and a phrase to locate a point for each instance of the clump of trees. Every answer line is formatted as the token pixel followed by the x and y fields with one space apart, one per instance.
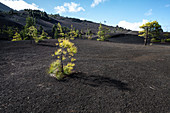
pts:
pixel 103 33
pixel 57 31
pixel 89 34
pixel 8 31
pixel 30 32
pixel 37 14
pixel 54 15
pixel 81 33
pixel 151 30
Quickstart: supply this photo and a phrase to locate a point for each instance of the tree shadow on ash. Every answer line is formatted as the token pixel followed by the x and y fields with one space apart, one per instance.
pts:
pixel 47 45
pixel 97 81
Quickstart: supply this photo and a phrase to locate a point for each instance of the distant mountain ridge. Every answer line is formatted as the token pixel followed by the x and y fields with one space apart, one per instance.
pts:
pixel 4 8
pixel 12 18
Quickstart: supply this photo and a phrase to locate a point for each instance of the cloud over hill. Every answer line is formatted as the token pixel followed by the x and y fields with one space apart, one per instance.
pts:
pixel 20 5
pixel 132 26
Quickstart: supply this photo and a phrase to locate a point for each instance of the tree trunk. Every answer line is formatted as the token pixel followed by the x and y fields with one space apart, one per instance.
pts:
pixel 62 70
pixel 146 39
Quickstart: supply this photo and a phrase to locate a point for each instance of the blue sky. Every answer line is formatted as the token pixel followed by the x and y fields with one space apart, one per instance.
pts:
pixel 125 13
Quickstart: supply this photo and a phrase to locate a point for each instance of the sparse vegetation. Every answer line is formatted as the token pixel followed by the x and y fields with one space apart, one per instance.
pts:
pixel 8 31
pixel 57 30
pixel 65 51
pixel 17 37
pixel 81 33
pixel 89 34
pixel 33 33
pixel 64 75
pixel 54 15
pixel 167 40
pixel 166 35
pixel 103 33
pixel 37 14
pixel 30 21
pixel 155 40
pixel 30 32
pixel 150 30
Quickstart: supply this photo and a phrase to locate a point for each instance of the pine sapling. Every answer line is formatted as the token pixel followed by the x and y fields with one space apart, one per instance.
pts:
pixel 65 51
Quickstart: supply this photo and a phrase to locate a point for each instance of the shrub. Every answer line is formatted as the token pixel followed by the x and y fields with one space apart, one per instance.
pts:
pixel 88 32
pixel 24 35
pixel 37 14
pixel 77 33
pixel 30 21
pixel 33 32
pixel 90 36
pixel 8 31
pixel 17 37
pixel 155 40
pixel 167 40
pixel 57 31
pixel 102 33
pixel 162 40
pixel 44 35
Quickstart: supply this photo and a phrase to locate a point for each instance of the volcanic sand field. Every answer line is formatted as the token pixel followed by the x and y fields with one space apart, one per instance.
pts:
pixel 109 77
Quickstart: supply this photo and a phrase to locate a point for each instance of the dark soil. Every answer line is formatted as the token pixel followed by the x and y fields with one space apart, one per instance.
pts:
pixel 110 77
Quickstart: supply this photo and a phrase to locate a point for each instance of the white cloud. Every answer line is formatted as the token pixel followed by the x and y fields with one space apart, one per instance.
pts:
pixel 132 26
pixel 149 12
pixel 166 28
pixel 69 7
pixel 82 18
pixel 73 7
pixel 60 9
pixel 96 2
pixel 20 5
pixel 167 5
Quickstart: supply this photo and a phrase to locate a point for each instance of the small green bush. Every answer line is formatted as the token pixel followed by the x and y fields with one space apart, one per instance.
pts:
pixel 17 37
pixel 162 40
pixel 103 33
pixel 33 32
pixel 167 40
pixel 155 40
pixel 90 37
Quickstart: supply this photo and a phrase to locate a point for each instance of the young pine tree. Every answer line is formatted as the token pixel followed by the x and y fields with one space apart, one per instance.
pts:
pixel 17 37
pixel 30 21
pixel 65 52
pixel 54 31
pixel 33 33
pixel 102 33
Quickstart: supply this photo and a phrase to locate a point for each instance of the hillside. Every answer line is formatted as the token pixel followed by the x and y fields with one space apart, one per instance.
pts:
pixel 4 8
pixel 17 19
pixel 20 16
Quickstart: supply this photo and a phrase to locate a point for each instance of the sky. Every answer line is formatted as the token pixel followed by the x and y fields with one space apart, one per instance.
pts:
pixel 129 14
